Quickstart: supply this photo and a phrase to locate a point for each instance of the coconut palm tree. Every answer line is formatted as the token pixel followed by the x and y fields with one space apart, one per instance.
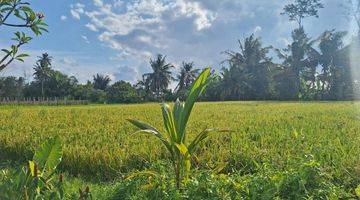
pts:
pixel 159 79
pixel 248 76
pixel 186 76
pixel 101 82
pixel 297 63
pixel 43 70
pixel 333 59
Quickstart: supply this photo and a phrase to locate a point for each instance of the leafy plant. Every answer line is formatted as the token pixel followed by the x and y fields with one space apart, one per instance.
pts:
pixel 175 121
pixel 37 179
pixel 23 18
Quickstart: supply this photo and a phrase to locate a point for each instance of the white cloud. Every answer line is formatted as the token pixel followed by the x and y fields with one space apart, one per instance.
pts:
pixel 191 30
pixel 85 38
pixel 91 27
pixel 63 17
pixel 203 17
pixel 75 14
pixel 138 29
pixel 68 61
pixel 76 10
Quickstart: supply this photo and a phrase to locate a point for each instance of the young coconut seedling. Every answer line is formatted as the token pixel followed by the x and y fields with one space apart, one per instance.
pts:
pixel 175 121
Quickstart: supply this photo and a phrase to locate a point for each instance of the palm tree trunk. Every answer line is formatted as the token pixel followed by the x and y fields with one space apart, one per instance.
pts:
pixel 42 89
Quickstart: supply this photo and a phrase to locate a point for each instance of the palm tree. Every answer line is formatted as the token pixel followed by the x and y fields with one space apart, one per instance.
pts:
pixel 335 67
pixel 248 76
pixel 43 70
pixel 297 63
pixel 101 82
pixel 187 75
pixel 160 78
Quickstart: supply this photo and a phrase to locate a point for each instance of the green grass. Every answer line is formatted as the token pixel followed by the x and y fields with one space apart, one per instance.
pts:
pixel 98 143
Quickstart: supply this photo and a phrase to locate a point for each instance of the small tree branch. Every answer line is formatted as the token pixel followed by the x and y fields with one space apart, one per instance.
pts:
pixel 6 56
pixel 8 14
pixel 17 25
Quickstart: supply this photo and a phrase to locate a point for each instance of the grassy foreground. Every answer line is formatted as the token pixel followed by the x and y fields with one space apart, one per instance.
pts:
pixel 284 146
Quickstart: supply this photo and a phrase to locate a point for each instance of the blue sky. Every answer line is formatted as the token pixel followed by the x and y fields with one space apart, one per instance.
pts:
pixel 118 37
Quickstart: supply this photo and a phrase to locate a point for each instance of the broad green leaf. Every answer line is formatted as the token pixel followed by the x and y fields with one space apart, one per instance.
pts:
pixel 6 51
pixel 18 35
pixel 177 112
pixel 49 155
pixel 186 154
pixel 169 122
pixel 182 148
pixel 32 167
pixel 202 136
pixel 26 9
pixel 160 137
pixel 20 59
pixel 22 55
pixel 196 89
pixel 142 125
pixel 32 15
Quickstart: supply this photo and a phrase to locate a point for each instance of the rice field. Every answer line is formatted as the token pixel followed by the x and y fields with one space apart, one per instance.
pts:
pixel 98 141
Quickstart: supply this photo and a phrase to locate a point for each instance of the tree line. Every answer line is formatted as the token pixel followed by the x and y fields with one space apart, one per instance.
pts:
pixel 307 69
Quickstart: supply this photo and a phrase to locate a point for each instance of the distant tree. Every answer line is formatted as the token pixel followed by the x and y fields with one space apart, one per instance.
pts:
pixel 249 72
pixel 301 9
pixel 214 90
pixel 18 14
pixel 333 67
pixel 122 92
pixel 337 62
pixel 83 91
pixel 143 89
pixel 101 82
pixel 98 96
pixel 12 87
pixel 159 79
pixel 186 76
pixel 43 70
pixel 60 85
pixel 56 84
pixel 297 66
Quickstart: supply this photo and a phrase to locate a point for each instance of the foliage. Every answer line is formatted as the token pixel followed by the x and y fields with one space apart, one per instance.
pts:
pixel 101 82
pixel 20 16
pixel 305 181
pixel 249 72
pixel 175 122
pixel 36 181
pixel 12 87
pixel 159 79
pixel 185 78
pixel 302 9
pixel 122 92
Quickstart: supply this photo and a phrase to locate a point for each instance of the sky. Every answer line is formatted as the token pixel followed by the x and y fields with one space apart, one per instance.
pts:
pixel 118 37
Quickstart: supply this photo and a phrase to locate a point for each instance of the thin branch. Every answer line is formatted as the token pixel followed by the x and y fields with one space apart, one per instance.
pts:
pixel 17 25
pixel 7 55
pixel 8 14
